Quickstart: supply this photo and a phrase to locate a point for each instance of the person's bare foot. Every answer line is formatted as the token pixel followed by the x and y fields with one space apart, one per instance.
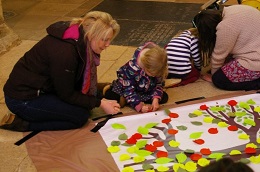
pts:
pixel 206 77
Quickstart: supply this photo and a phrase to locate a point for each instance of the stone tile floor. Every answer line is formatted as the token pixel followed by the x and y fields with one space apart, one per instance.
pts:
pixel 29 19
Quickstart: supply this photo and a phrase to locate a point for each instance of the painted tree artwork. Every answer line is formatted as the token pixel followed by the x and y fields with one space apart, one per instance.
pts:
pixel 186 138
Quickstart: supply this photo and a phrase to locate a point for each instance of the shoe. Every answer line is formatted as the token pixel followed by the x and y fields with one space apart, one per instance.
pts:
pixel 14 123
pixel 100 86
pixel 7 119
pixel 171 82
pixel 107 87
pixel 122 101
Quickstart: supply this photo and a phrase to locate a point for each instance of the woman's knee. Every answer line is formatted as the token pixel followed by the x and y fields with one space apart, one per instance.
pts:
pixel 81 119
pixel 220 80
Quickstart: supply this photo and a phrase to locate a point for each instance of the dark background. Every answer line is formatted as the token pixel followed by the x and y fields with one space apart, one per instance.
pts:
pixel 148 21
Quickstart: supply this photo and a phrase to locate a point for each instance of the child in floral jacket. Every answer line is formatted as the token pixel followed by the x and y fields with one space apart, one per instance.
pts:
pixel 139 81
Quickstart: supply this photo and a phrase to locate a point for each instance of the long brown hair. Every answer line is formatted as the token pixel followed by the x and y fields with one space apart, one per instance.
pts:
pixel 206 22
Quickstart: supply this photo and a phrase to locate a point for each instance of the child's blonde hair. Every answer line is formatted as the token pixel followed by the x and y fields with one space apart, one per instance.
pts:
pixel 193 31
pixel 97 24
pixel 155 61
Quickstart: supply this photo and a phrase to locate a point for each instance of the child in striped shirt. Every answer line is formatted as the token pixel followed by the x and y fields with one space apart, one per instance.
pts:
pixel 183 56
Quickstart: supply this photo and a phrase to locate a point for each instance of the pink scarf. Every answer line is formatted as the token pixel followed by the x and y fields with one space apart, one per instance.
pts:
pixel 89 85
pixel 90 75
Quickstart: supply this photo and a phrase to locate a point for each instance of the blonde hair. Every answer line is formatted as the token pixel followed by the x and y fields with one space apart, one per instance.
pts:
pixel 155 61
pixel 193 31
pixel 97 24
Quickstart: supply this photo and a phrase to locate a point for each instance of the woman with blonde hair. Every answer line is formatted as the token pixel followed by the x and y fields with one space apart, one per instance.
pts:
pixel 139 81
pixel 54 85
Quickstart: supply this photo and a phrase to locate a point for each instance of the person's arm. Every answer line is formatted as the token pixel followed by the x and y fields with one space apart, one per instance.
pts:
pixel 195 53
pixel 226 38
pixel 157 94
pixel 126 76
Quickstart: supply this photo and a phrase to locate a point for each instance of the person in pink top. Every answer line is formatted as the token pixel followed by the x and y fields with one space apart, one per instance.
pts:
pixel 230 40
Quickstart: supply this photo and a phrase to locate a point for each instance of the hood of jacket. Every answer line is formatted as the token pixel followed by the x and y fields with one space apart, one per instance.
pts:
pixel 57 29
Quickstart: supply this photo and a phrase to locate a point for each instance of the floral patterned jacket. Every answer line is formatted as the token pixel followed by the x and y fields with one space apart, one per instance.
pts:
pixel 135 85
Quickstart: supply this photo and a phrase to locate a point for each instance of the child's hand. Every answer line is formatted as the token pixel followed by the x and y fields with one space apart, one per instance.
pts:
pixel 150 108
pixel 155 104
pixel 146 108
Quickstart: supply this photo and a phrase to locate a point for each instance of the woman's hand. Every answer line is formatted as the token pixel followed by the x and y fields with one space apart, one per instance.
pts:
pixel 110 106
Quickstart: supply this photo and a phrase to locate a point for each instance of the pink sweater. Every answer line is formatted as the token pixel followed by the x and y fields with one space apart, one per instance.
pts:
pixel 238 34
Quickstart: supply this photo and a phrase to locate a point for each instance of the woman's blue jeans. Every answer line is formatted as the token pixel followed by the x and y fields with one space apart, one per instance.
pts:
pixel 48 112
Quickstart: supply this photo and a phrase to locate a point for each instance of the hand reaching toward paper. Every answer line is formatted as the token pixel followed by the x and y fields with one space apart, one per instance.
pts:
pixel 110 106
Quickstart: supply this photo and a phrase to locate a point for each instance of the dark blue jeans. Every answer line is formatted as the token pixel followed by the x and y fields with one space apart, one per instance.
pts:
pixel 48 112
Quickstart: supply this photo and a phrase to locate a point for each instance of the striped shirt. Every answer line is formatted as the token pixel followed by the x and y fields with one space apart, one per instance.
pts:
pixel 182 51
